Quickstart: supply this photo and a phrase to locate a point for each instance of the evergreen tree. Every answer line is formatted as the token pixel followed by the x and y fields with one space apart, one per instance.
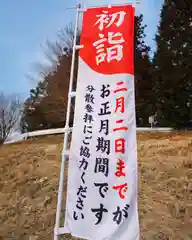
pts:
pixel 33 117
pixel 143 75
pixel 173 64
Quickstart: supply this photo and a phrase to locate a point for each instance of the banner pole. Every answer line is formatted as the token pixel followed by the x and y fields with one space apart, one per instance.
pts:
pixel 64 153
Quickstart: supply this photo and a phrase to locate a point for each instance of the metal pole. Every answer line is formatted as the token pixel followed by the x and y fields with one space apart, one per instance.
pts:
pixel 72 66
pixel 64 155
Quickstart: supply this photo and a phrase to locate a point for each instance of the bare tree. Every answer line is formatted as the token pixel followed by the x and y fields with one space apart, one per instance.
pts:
pixel 47 104
pixel 53 52
pixel 10 114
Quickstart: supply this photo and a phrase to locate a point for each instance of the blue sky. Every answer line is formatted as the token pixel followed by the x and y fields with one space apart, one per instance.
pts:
pixel 26 25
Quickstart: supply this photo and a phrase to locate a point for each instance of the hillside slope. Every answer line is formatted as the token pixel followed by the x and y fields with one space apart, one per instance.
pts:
pixel 29 174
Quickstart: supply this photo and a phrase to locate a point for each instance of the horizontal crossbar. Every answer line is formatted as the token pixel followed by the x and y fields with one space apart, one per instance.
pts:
pixel 60 231
pixel 72 94
pixel 77 47
pixel 66 153
pixel 80 9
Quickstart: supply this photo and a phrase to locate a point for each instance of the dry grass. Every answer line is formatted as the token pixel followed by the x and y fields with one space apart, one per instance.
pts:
pixel 29 173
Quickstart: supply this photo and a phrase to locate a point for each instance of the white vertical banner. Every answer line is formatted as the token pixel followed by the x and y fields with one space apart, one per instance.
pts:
pixel 102 176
